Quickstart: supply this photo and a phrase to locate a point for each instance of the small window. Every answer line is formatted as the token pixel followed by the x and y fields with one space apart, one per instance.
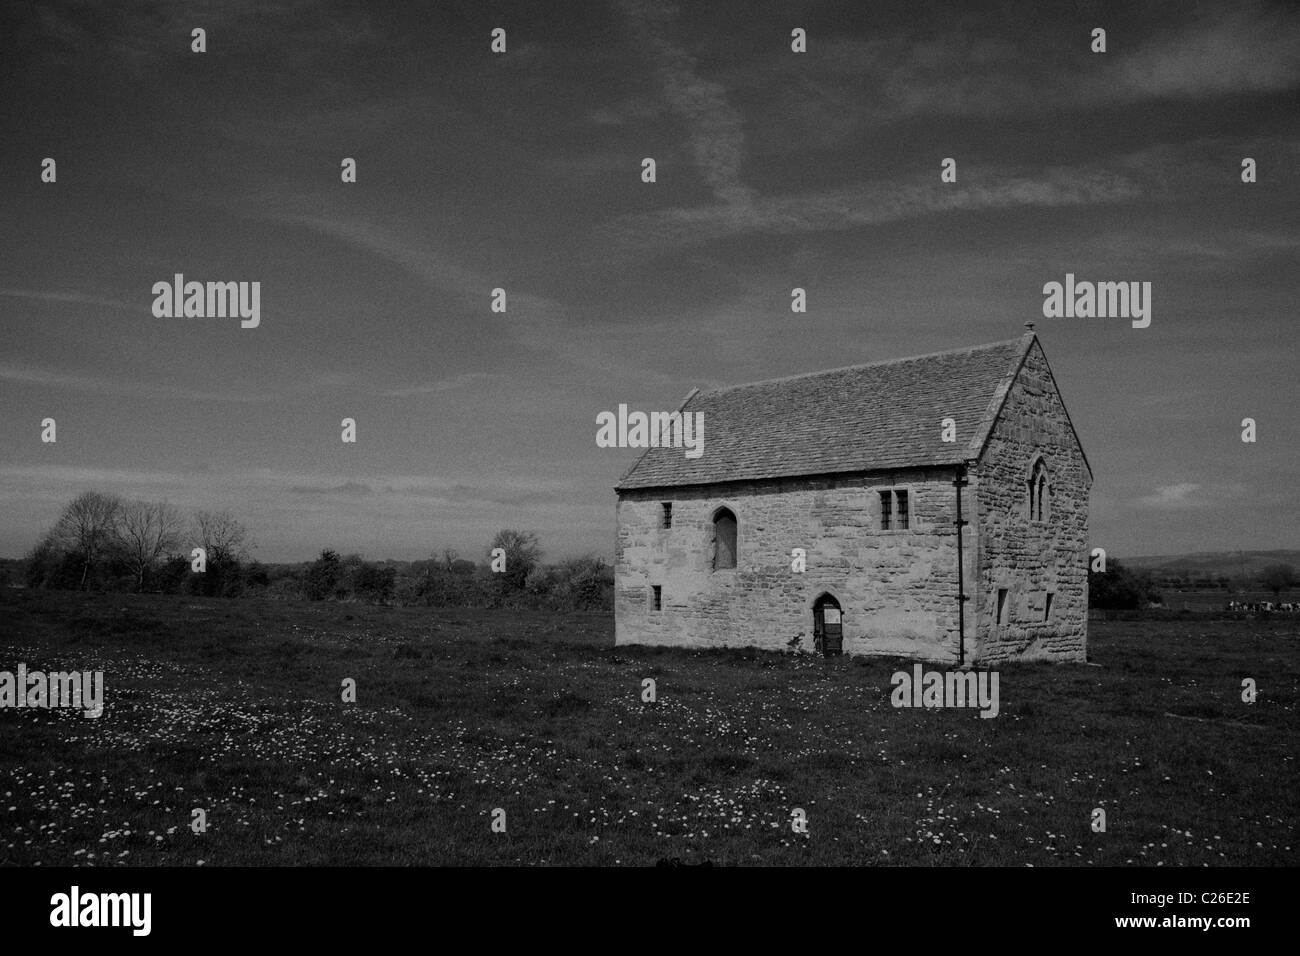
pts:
pixel 1002 605
pixel 894 511
pixel 1047 607
pixel 657 597
pixel 1038 492
pixel 724 540
pixel 667 521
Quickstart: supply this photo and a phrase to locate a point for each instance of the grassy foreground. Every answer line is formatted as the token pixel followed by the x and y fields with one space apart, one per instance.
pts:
pixel 234 707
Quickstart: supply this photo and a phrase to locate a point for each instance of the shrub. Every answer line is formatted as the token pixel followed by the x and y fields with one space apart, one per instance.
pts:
pixel 323 576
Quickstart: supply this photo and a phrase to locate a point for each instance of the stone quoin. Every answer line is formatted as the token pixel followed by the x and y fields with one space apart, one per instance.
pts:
pixel 852 466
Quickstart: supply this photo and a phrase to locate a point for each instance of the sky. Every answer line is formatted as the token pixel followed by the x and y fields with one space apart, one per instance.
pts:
pixel 523 171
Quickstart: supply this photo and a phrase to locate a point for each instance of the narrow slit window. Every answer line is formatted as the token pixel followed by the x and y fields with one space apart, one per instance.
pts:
pixel 667 521
pixel 1047 607
pixel 657 597
pixel 1002 605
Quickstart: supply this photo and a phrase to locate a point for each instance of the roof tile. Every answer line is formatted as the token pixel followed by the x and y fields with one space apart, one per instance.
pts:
pixel 861 418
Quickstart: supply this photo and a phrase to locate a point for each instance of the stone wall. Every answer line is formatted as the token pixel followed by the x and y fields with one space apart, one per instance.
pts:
pixel 1028 558
pixel 897 589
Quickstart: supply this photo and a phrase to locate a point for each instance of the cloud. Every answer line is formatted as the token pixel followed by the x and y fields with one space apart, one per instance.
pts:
pixel 1237 49
pixel 1171 496
pixel 87 383
pixel 483 497
pixel 135 35
pixel 490 491
pixel 542 324
pixel 417 257
pixel 715 129
pixel 73 297
pixel 962 70
pixel 1222 249
pixel 442 385
pixel 537 323
pixel 84 477
pixel 866 204
pixel 351 488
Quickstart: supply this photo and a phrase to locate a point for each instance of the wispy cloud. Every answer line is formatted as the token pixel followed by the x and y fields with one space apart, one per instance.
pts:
pixel 47 378
pixel 472 496
pixel 348 488
pixel 76 298
pixel 417 256
pixel 865 204
pixel 87 477
pixel 454 383
pixel 961 69
pixel 458 489
pixel 542 326
pixel 1177 495
pixel 715 128
pixel 1233 48
pixel 536 322
pixel 134 35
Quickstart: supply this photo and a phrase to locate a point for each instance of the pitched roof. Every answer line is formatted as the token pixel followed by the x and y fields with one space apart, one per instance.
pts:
pixel 862 418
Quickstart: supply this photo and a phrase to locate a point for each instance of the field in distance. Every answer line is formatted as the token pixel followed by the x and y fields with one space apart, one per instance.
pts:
pixel 234 707
pixel 1216 599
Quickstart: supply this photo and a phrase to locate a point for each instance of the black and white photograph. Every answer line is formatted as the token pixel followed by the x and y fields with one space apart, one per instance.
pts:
pixel 648 435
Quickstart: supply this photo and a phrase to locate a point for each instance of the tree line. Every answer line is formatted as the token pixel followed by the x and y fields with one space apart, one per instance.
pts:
pixel 105 543
pixel 102 542
pixel 1123 588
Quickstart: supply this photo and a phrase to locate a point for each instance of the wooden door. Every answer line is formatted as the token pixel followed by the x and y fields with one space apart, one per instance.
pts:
pixel 828 624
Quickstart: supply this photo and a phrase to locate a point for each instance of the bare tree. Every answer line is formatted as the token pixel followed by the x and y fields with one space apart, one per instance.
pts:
pixel 221 536
pixel 146 530
pixel 522 554
pixel 87 527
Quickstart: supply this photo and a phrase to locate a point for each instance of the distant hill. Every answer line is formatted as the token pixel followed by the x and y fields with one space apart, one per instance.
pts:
pixel 1212 564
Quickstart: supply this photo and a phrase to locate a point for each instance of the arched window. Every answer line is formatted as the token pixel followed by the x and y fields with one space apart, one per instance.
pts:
pixel 1039 491
pixel 724 540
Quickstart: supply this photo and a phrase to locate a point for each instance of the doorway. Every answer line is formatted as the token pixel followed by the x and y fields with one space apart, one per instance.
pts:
pixel 828 626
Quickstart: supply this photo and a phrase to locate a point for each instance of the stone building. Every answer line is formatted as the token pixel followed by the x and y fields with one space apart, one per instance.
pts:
pixel 868 470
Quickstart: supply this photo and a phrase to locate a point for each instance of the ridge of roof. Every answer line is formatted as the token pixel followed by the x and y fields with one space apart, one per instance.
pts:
pixel 818 439
pixel 965 350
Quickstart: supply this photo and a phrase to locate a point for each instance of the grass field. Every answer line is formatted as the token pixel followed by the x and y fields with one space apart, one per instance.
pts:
pixel 235 707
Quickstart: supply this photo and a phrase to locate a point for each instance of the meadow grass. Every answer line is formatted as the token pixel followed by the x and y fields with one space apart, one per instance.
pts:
pixel 235 707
